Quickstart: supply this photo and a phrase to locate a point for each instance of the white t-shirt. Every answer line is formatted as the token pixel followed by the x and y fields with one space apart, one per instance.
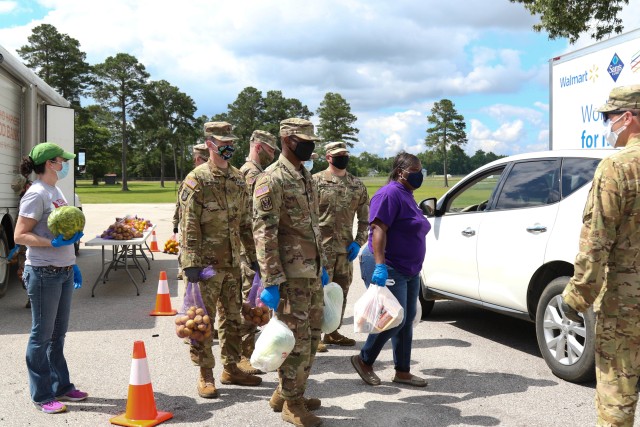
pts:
pixel 37 203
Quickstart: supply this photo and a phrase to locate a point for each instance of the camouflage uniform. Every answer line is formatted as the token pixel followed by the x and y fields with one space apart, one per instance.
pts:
pixel 341 198
pixel 251 170
pixel 215 221
pixel 288 244
pixel 606 272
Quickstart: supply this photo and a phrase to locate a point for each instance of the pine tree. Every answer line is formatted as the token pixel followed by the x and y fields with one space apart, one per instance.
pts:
pixel 447 129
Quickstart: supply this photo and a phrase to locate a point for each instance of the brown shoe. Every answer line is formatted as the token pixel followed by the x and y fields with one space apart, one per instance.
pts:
pixel 233 375
pixel 296 413
pixel 322 348
pixel 337 338
pixel 246 367
pixel 206 384
pixel 277 402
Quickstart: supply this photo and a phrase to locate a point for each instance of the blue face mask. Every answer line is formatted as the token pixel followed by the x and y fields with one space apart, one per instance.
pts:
pixel 62 173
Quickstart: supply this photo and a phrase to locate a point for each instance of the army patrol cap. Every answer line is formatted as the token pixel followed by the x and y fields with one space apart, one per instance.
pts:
pixel 300 128
pixel 48 151
pixel 336 148
pixel 201 150
pixel 219 130
pixel 622 98
pixel 264 137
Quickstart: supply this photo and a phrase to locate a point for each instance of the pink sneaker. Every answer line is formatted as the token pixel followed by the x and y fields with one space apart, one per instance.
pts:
pixel 74 396
pixel 52 407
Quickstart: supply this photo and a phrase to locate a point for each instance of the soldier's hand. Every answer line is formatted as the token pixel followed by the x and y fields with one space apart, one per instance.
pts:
pixel 192 273
pixel 570 313
pixel 325 277
pixel 270 296
pixel 352 251
pixel 175 230
pixel 255 267
pixel 380 275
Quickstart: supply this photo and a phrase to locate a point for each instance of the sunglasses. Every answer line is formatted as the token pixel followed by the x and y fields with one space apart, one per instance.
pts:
pixel 607 116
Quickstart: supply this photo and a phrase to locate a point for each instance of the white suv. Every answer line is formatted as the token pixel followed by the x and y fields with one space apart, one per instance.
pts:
pixel 505 237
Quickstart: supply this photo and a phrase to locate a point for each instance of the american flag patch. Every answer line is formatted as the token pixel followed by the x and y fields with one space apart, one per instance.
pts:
pixel 261 191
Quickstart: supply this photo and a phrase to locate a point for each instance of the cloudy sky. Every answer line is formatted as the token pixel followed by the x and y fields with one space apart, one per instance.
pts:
pixel 391 60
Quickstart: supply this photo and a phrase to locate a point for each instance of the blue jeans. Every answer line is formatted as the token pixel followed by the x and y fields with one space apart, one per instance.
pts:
pixel 406 291
pixel 50 290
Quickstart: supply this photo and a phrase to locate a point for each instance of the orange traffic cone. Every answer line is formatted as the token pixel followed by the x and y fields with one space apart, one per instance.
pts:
pixel 141 405
pixel 163 301
pixel 154 242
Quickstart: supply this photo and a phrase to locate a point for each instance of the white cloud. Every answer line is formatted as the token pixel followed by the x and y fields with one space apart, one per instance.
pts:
pixel 389 134
pixel 8 6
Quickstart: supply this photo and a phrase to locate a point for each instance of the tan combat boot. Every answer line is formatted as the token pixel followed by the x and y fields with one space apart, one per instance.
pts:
pixel 296 413
pixel 277 402
pixel 322 348
pixel 246 367
pixel 206 384
pixel 336 338
pixel 233 375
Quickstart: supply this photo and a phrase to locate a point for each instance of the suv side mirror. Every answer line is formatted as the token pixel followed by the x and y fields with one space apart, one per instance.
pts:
pixel 428 206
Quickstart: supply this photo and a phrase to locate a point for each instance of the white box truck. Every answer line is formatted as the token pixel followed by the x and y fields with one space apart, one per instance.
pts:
pixel 580 82
pixel 31 112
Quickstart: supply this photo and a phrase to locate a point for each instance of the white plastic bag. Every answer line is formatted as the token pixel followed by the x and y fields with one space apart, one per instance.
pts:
pixel 418 316
pixel 273 346
pixel 333 299
pixel 377 310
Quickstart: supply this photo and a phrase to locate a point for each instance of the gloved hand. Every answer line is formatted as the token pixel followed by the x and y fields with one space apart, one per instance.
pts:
pixel 380 275
pixel 570 313
pixel 77 277
pixel 192 273
pixel 270 296
pixel 325 277
pixel 59 241
pixel 175 230
pixel 352 251
pixel 255 267
pixel 12 252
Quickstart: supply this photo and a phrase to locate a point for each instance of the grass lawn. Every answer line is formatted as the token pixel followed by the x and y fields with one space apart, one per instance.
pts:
pixel 152 192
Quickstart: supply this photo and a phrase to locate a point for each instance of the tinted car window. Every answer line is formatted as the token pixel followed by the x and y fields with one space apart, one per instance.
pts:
pixel 576 172
pixel 529 184
pixel 474 196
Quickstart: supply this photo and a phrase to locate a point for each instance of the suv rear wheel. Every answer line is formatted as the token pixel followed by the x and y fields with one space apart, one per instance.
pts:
pixel 567 346
pixel 4 266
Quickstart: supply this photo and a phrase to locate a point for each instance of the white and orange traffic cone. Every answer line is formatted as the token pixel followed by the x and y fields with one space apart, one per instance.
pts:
pixel 141 405
pixel 154 242
pixel 163 299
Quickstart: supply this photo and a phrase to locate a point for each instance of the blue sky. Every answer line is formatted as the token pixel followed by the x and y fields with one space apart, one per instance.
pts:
pixel 390 60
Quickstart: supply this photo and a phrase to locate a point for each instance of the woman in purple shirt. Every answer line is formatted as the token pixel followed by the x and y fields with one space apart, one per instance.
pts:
pixel 395 251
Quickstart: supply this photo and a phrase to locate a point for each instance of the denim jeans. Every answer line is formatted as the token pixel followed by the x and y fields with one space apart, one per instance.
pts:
pixel 406 291
pixel 50 290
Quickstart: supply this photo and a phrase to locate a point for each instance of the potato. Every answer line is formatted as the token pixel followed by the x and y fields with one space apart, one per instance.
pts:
pixel 257 311
pixel 256 320
pixel 180 331
pixel 183 319
pixel 207 333
pixel 198 336
pixel 191 314
pixel 178 320
pixel 198 318
pixel 200 311
pixel 248 318
pixel 187 332
pixel 206 319
pixel 245 308
pixel 190 324
pixel 202 327
pixel 265 318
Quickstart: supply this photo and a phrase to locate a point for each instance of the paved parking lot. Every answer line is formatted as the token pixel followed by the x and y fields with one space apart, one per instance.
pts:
pixel 483 369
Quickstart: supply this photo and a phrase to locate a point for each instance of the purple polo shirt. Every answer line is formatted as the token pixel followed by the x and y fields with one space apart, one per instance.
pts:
pixel 407 229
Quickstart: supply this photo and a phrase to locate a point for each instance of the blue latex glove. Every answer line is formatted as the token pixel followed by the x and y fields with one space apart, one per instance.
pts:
pixel 12 252
pixel 270 296
pixel 352 251
pixel 77 277
pixel 380 275
pixel 59 241
pixel 325 277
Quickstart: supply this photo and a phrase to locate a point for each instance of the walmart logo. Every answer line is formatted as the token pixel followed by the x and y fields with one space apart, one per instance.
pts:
pixel 593 73
pixel 574 79
pixel 615 67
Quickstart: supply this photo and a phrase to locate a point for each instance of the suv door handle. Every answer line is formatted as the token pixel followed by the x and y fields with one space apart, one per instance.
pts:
pixel 467 232
pixel 537 228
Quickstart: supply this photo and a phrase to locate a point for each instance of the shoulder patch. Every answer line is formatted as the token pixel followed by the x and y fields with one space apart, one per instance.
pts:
pixel 251 180
pixel 261 191
pixel 266 204
pixel 191 183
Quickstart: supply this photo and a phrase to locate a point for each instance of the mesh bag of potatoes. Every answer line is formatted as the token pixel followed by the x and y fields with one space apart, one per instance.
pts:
pixel 193 321
pixel 253 309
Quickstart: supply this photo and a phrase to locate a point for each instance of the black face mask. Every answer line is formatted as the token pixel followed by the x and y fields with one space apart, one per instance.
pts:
pixel 340 162
pixel 415 179
pixel 304 149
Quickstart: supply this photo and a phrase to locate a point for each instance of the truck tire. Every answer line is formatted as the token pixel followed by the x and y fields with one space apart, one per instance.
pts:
pixel 4 267
pixel 566 346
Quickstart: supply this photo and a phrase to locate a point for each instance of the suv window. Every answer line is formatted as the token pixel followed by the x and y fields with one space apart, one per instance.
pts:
pixel 474 197
pixel 534 183
pixel 576 172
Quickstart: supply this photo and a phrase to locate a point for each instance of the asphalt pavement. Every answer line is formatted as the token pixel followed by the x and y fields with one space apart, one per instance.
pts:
pixel 484 369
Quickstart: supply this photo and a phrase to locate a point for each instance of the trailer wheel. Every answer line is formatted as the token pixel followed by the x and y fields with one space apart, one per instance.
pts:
pixel 4 267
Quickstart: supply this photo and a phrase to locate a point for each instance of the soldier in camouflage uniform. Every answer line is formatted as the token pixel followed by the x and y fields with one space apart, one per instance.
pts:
pixel 288 245
pixel 606 267
pixel 262 150
pixel 342 196
pixel 200 156
pixel 215 223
